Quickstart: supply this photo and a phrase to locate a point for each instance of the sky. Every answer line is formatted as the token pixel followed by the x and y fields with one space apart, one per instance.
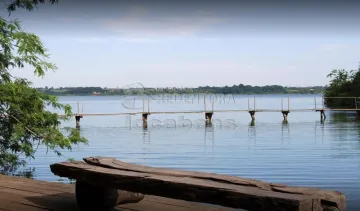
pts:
pixel 111 43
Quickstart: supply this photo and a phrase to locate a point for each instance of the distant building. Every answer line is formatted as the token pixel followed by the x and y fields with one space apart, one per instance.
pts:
pixel 96 93
pixel 311 91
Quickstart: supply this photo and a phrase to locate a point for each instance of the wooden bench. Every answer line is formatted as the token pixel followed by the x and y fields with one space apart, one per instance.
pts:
pixel 103 182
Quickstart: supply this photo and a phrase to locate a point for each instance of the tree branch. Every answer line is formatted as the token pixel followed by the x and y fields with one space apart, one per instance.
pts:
pixel 26 4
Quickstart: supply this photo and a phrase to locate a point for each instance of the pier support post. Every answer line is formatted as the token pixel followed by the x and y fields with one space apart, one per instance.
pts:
pixel 144 119
pixel 358 113
pixel 285 114
pixel 322 115
pixel 77 119
pixel 208 116
pixel 252 114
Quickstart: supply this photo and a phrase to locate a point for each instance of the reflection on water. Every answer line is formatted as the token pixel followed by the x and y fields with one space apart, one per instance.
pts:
pixel 146 135
pixel 301 151
pixel 209 135
pixel 285 131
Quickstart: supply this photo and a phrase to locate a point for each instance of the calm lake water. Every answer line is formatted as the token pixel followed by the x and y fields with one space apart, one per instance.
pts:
pixel 304 151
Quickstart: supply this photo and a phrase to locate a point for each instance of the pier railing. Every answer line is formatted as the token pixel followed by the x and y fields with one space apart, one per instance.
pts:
pixel 251 106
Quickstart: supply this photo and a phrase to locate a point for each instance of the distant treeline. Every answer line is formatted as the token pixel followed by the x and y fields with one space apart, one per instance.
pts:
pixel 235 89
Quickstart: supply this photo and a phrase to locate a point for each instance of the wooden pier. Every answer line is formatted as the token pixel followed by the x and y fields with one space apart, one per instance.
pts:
pixel 21 194
pixel 251 109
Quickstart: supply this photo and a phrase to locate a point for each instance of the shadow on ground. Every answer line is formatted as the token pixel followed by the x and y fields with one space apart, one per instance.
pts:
pixel 62 202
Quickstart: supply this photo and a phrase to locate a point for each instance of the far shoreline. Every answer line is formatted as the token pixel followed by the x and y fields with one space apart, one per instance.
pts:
pixel 138 89
pixel 169 94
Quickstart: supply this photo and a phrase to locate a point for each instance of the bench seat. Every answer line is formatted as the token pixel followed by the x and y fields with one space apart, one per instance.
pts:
pixel 134 180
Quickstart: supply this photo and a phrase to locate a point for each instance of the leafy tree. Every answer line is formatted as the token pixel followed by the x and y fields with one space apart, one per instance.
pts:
pixel 26 4
pixel 343 86
pixel 24 121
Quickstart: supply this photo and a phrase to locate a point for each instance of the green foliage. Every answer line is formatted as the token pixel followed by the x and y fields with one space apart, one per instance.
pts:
pixel 25 122
pixel 19 48
pixel 26 4
pixel 345 84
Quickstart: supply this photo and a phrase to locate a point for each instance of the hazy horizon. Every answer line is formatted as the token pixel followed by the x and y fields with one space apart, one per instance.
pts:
pixel 162 87
pixel 190 44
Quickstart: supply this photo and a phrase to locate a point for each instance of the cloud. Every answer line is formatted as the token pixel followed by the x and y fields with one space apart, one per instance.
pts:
pixel 145 23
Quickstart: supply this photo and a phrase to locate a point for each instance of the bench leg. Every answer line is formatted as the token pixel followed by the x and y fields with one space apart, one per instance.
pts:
pixel 90 197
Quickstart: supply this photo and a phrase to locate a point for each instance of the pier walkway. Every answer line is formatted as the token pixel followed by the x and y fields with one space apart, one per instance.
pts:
pixel 285 109
pixel 252 109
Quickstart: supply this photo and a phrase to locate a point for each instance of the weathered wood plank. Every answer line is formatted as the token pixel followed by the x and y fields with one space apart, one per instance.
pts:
pixel 33 189
pixel 108 162
pixel 327 197
pixel 12 206
pixel 40 201
pixel 187 188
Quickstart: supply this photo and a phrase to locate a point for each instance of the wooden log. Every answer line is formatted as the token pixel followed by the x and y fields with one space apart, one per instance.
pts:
pixel 93 197
pixel 337 199
pixel 197 189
